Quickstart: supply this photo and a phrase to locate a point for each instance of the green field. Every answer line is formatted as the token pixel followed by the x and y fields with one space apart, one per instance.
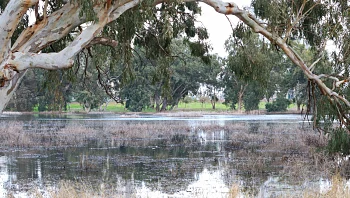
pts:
pixel 192 106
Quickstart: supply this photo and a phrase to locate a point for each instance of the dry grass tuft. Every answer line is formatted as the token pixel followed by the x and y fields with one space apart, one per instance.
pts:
pixel 338 189
pixel 69 189
pixel 234 191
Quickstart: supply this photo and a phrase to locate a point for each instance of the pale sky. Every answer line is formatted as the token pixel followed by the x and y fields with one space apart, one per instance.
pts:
pixel 218 26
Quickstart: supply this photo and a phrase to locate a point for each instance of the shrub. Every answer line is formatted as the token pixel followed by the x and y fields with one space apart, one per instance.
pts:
pixel 339 142
pixel 281 104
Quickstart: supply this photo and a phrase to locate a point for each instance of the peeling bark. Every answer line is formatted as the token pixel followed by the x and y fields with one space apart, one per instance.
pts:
pixel 25 52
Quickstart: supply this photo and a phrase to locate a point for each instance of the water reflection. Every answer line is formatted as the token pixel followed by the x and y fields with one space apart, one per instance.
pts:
pixel 4 177
pixel 206 184
pixel 150 117
pixel 201 163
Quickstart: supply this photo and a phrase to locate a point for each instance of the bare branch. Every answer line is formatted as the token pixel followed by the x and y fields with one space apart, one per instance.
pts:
pixel 45 32
pixel 103 41
pixel 9 20
pixel 53 61
pixel 120 8
pixel 45 9
pixel 230 23
pixel 311 68
pixel 63 59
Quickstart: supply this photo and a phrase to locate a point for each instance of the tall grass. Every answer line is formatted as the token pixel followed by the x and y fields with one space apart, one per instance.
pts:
pixel 70 189
pixel 338 189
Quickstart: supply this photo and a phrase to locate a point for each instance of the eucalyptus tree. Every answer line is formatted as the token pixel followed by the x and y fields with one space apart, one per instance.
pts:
pixel 187 72
pixel 212 74
pixel 54 90
pixel 315 23
pixel 161 82
pixel 249 66
pixel 89 88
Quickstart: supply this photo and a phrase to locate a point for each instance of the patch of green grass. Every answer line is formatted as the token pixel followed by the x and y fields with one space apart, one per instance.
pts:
pixel 192 106
pixel 262 105
pixel 292 106
pixel 74 106
pixel 195 106
pixel 111 107
pixel 116 107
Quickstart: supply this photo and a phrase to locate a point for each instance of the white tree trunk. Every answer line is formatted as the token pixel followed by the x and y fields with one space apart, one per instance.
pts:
pixel 7 92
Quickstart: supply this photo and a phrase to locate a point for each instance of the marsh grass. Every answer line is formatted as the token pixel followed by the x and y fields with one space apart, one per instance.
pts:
pixel 35 134
pixel 339 188
pixel 70 189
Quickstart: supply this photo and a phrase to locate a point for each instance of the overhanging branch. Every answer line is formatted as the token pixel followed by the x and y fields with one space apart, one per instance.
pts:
pixel 9 20
pixel 247 18
pixel 103 41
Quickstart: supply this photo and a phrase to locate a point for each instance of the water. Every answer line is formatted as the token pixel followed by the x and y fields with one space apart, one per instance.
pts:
pixel 199 164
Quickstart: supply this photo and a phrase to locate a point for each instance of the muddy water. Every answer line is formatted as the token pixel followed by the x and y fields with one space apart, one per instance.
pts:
pixel 202 164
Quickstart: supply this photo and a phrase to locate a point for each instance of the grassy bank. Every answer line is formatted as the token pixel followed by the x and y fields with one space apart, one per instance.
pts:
pixel 192 106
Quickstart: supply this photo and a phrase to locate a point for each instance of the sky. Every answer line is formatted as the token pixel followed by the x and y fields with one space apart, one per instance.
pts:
pixel 218 26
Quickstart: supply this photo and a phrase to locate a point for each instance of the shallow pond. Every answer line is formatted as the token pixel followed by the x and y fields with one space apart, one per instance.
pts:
pixel 201 163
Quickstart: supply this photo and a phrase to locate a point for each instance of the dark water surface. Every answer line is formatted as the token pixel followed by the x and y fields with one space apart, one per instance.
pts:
pixel 202 164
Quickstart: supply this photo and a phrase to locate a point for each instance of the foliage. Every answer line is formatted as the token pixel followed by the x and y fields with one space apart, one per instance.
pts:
pixel 187 100
pixel 316 24
pixel 249 57
pixel 252 97
pixel 165 80
pixel 25 98
pixel 249 66
pixel 339 142
pixel 137 98
pixel 87 88
pixel 280 104
pixel 53 96
pixel 148 50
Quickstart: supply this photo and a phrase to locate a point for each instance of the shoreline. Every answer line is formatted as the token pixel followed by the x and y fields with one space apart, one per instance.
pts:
pixel 165 113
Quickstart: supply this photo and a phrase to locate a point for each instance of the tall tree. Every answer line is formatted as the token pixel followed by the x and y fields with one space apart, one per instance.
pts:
pixel 212 75
pixel 248 69
pixel 165 80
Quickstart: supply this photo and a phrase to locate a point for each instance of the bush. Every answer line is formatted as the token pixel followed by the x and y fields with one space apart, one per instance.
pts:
pixel 187 100
pixel 339 142
pixel 281 104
